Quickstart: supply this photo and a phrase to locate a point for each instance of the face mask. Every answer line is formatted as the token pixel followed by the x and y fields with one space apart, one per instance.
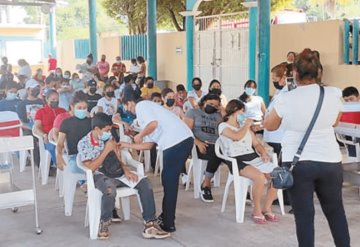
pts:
pixel 35 92
pixel 150 85
pixel 58 74
pixel 11 96
pixel 197 87
pixel 105 136
pixel 54 104
pixel 209 109
pixel 216 91
pixel 40 74
pixel 80 114
pixel 92 90
pixel 170 102
pixel 66 76
pixel 103 60
pixel 277 86
pixel 241 118
pixel 110 94
pixel 118 61
pixel 250 91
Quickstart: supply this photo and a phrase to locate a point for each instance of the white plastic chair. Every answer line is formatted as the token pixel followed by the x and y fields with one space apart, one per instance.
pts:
pixel 241 186
pixel 22 197
pixel 159 162
pixel 197 167
pixel 93 208
pixel 341 138
pixel 45 159
pixel 59 179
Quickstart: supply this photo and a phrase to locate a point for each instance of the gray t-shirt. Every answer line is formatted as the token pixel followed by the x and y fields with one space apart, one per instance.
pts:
pixel 205 125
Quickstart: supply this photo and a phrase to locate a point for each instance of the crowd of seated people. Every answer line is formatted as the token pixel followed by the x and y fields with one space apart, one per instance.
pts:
pixel 61 103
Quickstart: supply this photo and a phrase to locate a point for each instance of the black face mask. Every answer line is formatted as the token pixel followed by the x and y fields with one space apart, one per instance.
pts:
pixel 277 86
pixel 92 90
pixel 209 109
pixel 150 85
pixel 54 104
pixel 35 92
pixel 197 87
pixel 110 94
pixel 216 91
pixel 170 102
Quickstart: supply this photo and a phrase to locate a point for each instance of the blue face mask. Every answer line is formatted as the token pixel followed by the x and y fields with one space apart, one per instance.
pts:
pixel 11 96
pixel 105 136
pixel 249 91
pixel 241 118
pixel 80 114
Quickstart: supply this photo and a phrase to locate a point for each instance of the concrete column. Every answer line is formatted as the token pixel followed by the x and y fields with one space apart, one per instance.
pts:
pixel 189 26
pixel 92 28
pixel 355 42
pixel 151 38
pixel 52 32
pixel 264 50
pixel 253 15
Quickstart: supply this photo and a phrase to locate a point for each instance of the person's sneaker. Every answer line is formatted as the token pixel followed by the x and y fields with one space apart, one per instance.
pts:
pixel 116 218
pixel 206 195
pixel 167 228
pixel 104 230
pixel 152 230
pixel 184 178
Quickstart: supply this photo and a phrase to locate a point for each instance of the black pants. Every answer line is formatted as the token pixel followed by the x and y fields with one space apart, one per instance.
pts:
pixel 325 179
pixel 213 161
pixel 174 159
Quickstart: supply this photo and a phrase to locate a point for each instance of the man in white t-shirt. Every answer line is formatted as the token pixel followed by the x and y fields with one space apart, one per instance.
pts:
pixel 174 139
pixel 108 104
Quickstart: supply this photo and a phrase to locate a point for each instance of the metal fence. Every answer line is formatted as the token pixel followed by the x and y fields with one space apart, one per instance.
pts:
pixel 133 46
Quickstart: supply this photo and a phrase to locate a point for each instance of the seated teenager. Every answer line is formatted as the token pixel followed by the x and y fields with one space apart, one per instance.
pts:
pixel 44 121
pixel 92 151
pixel 168 97
pixel 108 104
pixel 239 142
pixel 11 102
pixel 204 124
pixel 149 88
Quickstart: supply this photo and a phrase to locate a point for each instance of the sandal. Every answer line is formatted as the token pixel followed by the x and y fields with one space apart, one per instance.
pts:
pixel 261 220
pixel 271 217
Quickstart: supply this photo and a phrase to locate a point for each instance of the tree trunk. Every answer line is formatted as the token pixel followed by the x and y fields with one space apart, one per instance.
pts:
pixel 331 6
pixel 175 21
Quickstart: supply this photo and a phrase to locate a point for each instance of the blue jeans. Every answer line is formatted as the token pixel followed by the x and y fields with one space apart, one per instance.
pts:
pixel 174 159
pixel 51 148
pixel 325 179
pixel 73 166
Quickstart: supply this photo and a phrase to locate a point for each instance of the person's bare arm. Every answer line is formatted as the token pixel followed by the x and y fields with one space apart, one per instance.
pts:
pixel 259 148
pixel 139 146
pixel 39 131
pixel 96 163
pixel 149 128
pixel 238 135
pixel 272 121
pixel 60 144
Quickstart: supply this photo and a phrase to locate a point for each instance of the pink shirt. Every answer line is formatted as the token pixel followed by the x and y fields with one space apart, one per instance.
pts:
pixel 60 118
pixel 103 67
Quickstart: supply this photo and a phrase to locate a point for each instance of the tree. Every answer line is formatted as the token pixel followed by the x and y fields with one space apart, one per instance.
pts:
pixel 134 14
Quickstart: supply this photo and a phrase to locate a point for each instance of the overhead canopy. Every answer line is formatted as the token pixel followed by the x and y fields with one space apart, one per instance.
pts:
pixel 28 2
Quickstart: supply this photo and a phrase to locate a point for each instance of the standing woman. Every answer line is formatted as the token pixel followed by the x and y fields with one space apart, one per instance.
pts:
pixel 162 127
pixel 142 71
pixel 319 168
pixel 254 105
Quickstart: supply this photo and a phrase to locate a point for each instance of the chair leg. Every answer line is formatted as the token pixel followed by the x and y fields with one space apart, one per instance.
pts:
pixel 125 205
pixel 94 202
pixel 22 160
pixel 45 169
pixel 69 193
pixel 226 192
pixel 197 179
pixel 217 178
pixel 281 201
pixel 190 170
pixel 241 188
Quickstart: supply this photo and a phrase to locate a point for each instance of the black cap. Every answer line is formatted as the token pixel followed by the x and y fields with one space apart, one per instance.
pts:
pixel 92 83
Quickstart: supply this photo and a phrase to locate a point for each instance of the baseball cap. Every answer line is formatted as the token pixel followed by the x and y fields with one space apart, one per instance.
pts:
pixel 31 83
pixel 92 83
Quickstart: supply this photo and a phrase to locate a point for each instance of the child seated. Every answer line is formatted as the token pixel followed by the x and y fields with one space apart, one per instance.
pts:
pixel 239 142
pixel 92 151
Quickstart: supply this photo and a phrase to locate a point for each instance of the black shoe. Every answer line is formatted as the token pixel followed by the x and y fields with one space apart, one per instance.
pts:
pixel 52 171
pixel 206 195
pixel 116 218
pixel 168 228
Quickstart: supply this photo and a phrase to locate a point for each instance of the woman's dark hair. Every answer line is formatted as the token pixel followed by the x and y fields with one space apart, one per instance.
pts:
pixel 232 107
pixel 133 60
pixel 180 87
pixel 279 70
pixel 108 86
pixel 79 96
pixel 196 79
pixel 307 65
pixel 213 82
pixel 140 59
pixel 155 94
pixel 207 97
pixel 165 92
pixel 101 120
pixel 291 52
pixel 111 79
pixel 244 97
pixel 148 78
pixel 50 92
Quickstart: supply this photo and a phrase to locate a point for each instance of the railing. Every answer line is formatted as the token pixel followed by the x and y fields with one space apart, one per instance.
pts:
pixel 81 48
pixel 133 46
pixel 224 21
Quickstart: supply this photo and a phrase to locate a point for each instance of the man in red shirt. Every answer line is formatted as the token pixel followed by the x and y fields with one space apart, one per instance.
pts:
pixel 52 62
pixel 44 121
pixel 118 69
pixel 103 68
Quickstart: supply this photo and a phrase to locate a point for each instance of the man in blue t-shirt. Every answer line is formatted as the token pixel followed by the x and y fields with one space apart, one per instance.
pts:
pixel 10 103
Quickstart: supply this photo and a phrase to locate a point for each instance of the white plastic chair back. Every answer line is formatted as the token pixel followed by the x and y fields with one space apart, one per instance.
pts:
pixel 341 138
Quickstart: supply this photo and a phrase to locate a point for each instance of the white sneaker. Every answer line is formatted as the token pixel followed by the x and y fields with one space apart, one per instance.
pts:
pixel 184 178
